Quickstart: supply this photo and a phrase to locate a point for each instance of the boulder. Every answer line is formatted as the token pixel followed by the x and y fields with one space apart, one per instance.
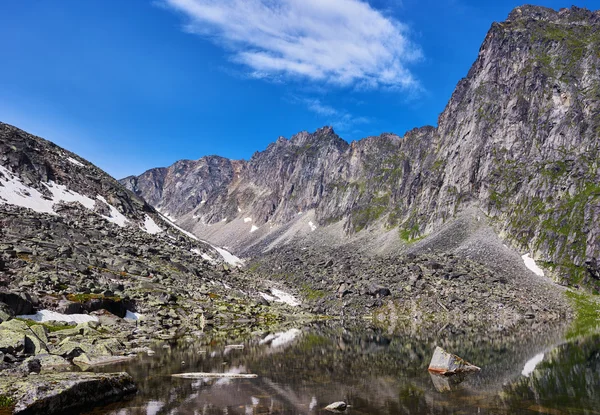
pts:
pixel 11 342
pixel 69 307
pixel 58 393
pixel 19 303
pixel 447 383
pixel 337 406
pixel 5 312
pixel 446 363
pixel 49 361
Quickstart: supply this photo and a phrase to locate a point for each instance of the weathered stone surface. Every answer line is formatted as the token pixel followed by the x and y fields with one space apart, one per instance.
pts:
pixel 11 342
pixel 5 312
pixel 446 363
pixel 61 392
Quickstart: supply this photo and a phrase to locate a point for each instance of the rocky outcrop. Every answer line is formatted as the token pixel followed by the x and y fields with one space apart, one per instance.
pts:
pixel 518 138
pixel 58 393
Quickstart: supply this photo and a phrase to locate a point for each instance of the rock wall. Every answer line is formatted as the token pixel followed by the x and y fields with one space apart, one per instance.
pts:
pixel 519 138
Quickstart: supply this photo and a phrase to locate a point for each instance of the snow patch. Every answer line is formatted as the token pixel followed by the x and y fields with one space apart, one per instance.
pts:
pixel 281 339
pixel 254 228
pixel 530 263
pixel 531 364
pixel 150 226
pixel 14 192
pixel 75 162
pixel 115 216
pixel 313 227
pixel 239 210
pixel 169 222
pixel 281 297
pixel 227 256
pixel 246 220
pixel 47 315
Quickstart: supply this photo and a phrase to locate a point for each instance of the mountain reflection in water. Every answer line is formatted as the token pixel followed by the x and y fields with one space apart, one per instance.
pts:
pixel 301 370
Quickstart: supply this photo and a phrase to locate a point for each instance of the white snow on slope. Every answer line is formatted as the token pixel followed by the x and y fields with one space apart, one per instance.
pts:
pixel 531 364
pixel 246 220
pixel 227 256
pixel 254 228
pixel 47 315
pixel 313 227
pixel 14 192
pixel 203 255
pixel 115 216
pixel 75 162
pixel 530 263
pixel 150 226
pixel 281 297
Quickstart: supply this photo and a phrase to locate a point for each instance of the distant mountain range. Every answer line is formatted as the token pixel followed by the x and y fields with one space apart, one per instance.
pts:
pixel 519 139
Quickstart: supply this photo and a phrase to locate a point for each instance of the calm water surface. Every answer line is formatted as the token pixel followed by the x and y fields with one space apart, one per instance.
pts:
pixel 301 370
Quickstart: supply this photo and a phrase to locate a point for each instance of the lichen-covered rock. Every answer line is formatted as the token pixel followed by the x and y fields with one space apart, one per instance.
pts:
pixel 11 342
pixel 56 393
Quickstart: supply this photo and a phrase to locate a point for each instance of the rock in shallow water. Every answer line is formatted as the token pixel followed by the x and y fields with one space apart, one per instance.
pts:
pixel 446 363
pixel 58 393
pixel 337 406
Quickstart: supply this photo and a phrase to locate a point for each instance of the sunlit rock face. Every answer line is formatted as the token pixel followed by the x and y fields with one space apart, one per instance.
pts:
pixel 518 139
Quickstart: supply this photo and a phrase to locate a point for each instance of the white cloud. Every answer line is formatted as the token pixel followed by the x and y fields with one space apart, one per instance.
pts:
pixel 341 119
pixel 343 42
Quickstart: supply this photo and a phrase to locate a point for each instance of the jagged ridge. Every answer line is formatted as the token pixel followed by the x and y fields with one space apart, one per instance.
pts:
pixel 518 138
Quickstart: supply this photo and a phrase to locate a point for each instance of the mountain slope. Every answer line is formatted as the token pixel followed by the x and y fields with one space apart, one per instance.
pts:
pixel 74 240
pixel 519 139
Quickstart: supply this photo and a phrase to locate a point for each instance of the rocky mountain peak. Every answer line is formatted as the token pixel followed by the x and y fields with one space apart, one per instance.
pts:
pixel 573 15
pixel 518 139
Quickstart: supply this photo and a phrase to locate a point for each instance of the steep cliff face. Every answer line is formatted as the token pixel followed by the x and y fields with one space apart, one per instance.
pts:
pixel 520 135
pixel 519 139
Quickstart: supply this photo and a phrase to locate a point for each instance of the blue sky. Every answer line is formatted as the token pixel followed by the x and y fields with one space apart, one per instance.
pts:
pixel 136 84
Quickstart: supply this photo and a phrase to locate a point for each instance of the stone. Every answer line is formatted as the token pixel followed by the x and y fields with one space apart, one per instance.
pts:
pixel 19 303
pixel 337 406
pixel 5 312
pixel 11 342
pixel 50 361
pixel 69 307
pixel 57 393
pixel 446 363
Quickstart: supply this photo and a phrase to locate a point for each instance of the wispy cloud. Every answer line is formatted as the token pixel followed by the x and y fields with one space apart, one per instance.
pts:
pixel 341 119
pixel 342 42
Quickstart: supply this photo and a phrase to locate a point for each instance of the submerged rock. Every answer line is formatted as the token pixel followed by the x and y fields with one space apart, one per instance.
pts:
pixel 446 363
pixel 337 406
pixel 58 393
pixel 447 383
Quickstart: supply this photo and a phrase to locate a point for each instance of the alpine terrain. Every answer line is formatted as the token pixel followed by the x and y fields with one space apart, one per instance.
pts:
pixel 487 224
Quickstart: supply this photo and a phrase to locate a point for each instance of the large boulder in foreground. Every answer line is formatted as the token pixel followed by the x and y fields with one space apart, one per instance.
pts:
pixel 446 363
pixel 57 393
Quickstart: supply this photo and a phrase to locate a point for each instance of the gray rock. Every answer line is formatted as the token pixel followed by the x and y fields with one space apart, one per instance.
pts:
pixel 11 342
pixel 56 393
pixel 446 363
